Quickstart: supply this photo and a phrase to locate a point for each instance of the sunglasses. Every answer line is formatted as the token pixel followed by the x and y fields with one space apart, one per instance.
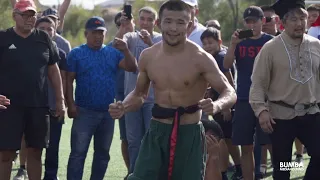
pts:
pixel 269 19
pixel 27 16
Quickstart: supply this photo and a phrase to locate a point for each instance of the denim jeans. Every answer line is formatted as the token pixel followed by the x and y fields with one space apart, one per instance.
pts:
pixel 137 124
pixel 88 123
pixel 52 152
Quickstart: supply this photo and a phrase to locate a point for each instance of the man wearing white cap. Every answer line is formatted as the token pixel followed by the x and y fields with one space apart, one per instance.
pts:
pixel 197 29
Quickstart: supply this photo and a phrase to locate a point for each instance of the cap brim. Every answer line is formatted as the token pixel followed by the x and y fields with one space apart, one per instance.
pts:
pixel 97 28
pixel 191 4
pixel 53 16
pixel 27 9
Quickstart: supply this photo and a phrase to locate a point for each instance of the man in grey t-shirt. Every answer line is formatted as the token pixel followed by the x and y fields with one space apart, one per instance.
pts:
pixel 137 123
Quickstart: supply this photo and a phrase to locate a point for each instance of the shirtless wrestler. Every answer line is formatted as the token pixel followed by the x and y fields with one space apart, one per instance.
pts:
pixel 179 70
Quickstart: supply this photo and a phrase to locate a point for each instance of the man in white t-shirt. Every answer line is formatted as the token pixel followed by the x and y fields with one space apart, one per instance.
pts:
pixel 197 29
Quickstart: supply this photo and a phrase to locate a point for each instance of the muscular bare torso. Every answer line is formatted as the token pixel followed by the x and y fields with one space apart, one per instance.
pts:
pixel 177 79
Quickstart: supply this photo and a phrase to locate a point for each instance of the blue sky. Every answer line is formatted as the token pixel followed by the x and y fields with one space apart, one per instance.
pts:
pixel 85 3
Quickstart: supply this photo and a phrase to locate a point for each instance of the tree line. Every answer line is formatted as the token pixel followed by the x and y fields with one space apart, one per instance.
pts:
pixel 228 12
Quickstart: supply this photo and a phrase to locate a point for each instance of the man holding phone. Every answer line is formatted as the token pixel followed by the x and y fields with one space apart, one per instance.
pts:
pixel 123 28
pixel 138 122
pixel 244 47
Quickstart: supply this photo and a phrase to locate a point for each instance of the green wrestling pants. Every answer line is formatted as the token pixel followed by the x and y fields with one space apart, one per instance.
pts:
pixel 189 157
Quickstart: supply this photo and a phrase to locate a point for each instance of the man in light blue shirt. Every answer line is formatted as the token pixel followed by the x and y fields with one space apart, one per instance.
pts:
pixel 137 123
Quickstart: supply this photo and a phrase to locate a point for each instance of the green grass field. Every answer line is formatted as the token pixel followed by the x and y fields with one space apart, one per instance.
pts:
pixel 116 169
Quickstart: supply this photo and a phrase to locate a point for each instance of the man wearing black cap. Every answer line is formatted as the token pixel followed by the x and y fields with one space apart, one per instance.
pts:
pixel 285 90
pixel 62 43
pixel 245 123
pixel 94 67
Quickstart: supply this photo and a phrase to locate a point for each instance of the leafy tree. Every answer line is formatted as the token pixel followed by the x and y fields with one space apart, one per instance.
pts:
pixel 6 14
pixel 227 12
pixel 263 2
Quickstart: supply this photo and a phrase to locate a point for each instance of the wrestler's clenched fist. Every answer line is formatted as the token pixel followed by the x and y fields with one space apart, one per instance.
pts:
pixel 209 107
pixel 116 110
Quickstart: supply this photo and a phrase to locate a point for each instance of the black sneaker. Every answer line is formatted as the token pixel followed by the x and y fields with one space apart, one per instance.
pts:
pixel 21 175
pixel 236 176
pixel 125 178
pixel 258 177
pixel 299 160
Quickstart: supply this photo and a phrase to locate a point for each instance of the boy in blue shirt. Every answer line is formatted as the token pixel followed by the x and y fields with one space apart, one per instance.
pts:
pixel 212 43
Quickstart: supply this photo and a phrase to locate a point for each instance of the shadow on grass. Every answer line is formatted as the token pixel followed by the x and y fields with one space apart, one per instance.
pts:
pixel 268 174
pixel 17 168
pixel 297 178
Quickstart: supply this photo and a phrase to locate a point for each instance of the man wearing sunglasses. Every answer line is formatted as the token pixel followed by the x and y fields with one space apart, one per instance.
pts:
pixel 27 58
pixel 270 26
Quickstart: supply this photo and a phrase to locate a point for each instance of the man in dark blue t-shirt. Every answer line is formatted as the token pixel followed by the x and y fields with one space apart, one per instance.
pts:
pixel 245 123
pixel 94 67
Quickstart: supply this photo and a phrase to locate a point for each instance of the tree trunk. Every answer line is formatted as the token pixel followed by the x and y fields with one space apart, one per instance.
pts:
pixel 235 12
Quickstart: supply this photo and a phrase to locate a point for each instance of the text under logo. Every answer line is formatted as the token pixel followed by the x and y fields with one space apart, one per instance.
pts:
pixel 291 166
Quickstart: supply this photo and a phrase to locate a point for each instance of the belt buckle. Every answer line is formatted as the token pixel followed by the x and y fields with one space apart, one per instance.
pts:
pixel 299 107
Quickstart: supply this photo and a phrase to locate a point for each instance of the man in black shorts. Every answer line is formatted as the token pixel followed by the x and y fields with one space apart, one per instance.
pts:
pixel 27 58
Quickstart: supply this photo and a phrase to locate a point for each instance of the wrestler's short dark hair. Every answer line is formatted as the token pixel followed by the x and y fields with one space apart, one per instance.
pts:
pixel 214 127
pixel 266 8
pixel 172 5
pixel 211 32
pixel 44 19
